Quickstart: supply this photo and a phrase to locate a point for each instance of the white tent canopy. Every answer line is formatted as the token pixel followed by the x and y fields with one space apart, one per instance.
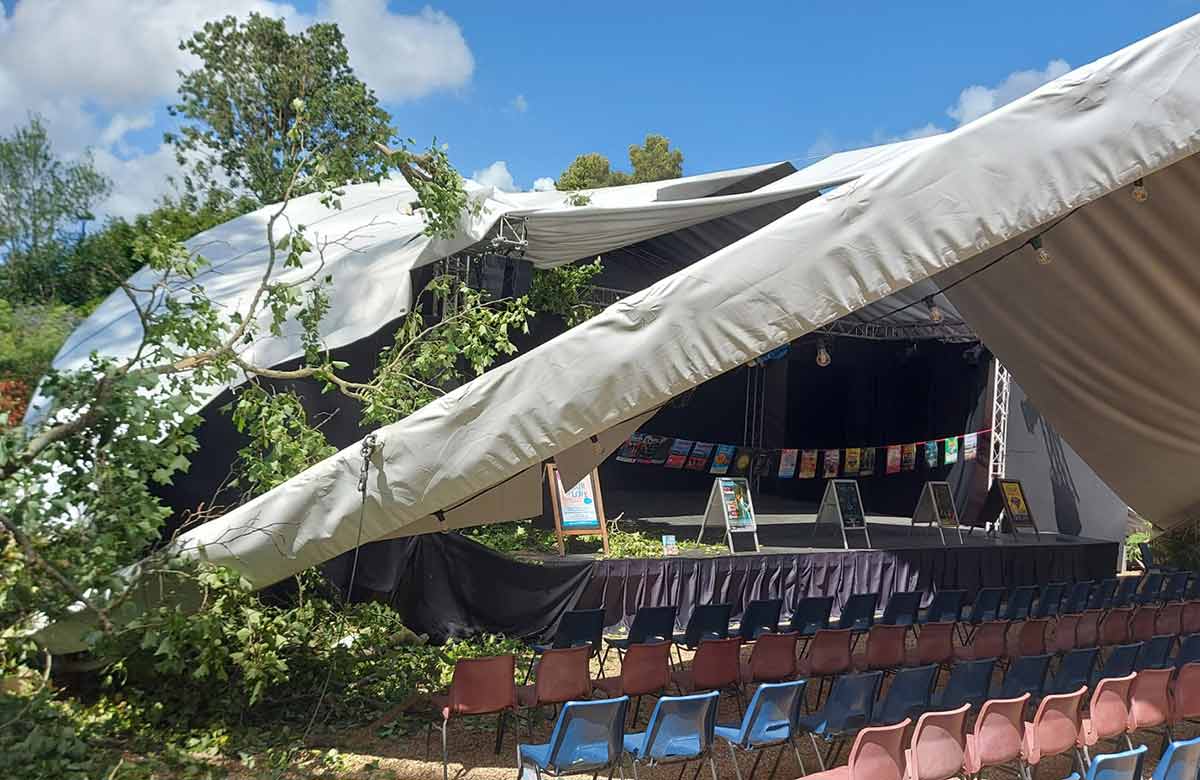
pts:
pixel 1103 339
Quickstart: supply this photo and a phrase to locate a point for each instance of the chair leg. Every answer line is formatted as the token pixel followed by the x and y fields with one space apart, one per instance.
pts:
pixel 816 749
pixel 445 752
pixel 637 705
pixel 682 769
pixel 799 761
pixel 775 766
pixel 733 757
pixel 712 764
pixel 500 722
pixel 758 754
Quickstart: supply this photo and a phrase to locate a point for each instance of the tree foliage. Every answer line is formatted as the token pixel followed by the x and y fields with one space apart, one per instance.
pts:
pixel 654 160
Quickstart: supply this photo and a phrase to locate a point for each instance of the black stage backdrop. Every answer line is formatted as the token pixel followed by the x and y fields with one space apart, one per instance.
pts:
pixel 449 586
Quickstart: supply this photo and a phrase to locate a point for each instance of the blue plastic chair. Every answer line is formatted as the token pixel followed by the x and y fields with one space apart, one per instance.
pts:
pixel 1027 674
pixel 1126 590
pixel 576 627
pixel 811 615
pixel 707 621
pixel 650 624
pixel 1120 662
pixel 969 683
pixel 681 729
pixel 901 609
pixel 945 607
pixel 907 697
pixel 586 738
pixel 1077 598
pixel 1150 591
pixel 1155 653
pixel 1019 604
pixel 760 617
pixel 1126 765
pixel 1105 594
pixel 847 710
pixel 859 612
pixel 770 720
pixel 1180 761
pixel 1175 587
pixel 984 609
pixel 1049 601
pixel 1193 589
pixel 1074 671
pixel 1189 650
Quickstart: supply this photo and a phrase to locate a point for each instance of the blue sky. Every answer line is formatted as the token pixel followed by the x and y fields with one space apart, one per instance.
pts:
pixel 533 84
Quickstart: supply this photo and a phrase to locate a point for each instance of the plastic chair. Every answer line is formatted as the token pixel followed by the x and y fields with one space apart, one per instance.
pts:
pixel 645 671
pixel 680 729
pixel 586 738
pixel 1104 595
pixel 770 720
pixel 1185 694
pixel 1126 765
pixel 1049 600
pixel 1181 761
pixel 901 609
pixel 1077 598
pixel 827 654
pixel 760 617
pixel 773 659
pixel 1192 592
pixel 1019 603
pixel 848 709
pixel 480 686
pixel 1126 589
pixel 1063 638
pixel 907 697
pixel 997 736
pixel 1155 654
pixel 1075 670
pixel 1169 620
pixel 877 753
pixel 1150 702
pixel 1189 621
pixel 1108 713
pixel 562 676
pixel 1114 627
pixel 707 621
pixel 939 746
pixel 969 683
pixel 1150 591
pixel 885 648
pixel 811 615
pixel 1087 630
pixel 1141 623
pixel 859 612
pixel 576 627
pixel 1029 638
pixel 987 641
pixel 1175 588
pixel 1025 675
pixel 1189 650
pixel 935 645
pixel 715 667
pixel 946 607
pixel 1054 729
pixel 650 624
pixel 1121 661
pixel 986 606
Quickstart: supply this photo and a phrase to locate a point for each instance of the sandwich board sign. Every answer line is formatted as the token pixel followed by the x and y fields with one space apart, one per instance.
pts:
pixel 842 505
pixel 1007 500
pixel 730 503
pixel 936 507
pixel 578 511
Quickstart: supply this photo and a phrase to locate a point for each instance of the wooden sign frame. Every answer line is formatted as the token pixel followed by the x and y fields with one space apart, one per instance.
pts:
pixel 716 509
pixel 831 510
pixel 997 505
pixel 931 509
pixel 556 502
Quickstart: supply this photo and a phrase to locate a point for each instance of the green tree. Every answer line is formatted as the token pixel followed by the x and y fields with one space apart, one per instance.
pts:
pixel 586 172
pixel 42 197
pixel 654 160
pixel 238 109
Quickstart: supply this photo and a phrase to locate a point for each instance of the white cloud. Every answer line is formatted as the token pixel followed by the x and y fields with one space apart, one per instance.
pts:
pixel 827 144
pixel 520 104
pixel 977 100
pixel 138 181
pixel 496 175
pixel 120 125
pixel 543 184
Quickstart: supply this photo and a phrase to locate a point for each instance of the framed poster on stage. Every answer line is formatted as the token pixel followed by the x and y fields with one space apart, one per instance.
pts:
pixel 1007 501
pixel 729 502
pixel 842 505
pixel 936 507
pixel 578 511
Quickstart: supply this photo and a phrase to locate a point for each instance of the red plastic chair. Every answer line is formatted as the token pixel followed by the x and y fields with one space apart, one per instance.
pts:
pixel 1054 729
pixel 716 666
pixel 645 671
pixel 885 649
pixel 939 745
pixel 1028 639
pixel 1185 694
pixel 1114 628
pixel 1150 705
pixel 877 754
pixel 997 737
pixel 773 659
pixel 1063 639
pixel 562 676
pixel 1108 713
pixel 1169 620
pixel 1087 630
pixel 1141 624
pixel 827 655
pixel 935 645
pixel 986 642
pixel 480 686
pixel 1190 619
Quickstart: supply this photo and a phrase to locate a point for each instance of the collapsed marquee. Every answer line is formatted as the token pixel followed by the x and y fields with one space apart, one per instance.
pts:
pixel 1094 172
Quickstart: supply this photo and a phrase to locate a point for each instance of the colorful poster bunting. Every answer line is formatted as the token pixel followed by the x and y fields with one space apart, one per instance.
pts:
pixel 787 463
pixel 741 462
pixel 951 452
pixel 629 450
pixel 833 459
pixel 654 449
pixel 867 468
pixel 931 454
pixel 893 459
pixel 808 464
pixel 853 455
pixel 680 450
pixel 723 459
pixel 908 457
pixel 970 446
pixel 698 460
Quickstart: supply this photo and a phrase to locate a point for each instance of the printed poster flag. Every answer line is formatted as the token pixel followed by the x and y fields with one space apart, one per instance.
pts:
pixel 833 458
pixel 787 463
pixel 722 459
pixel 970 444
pixel 654 449
pixel 908 457
pixel 629 450
pixel 698 460
pixel 742 461
pixel 853 455
pixel 931 454
pixel 867 468
pixel 679 453
pixel 893 459
pixel 808 464
pixel 951 453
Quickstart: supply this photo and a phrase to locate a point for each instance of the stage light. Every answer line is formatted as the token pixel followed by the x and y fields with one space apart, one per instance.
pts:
pixel 935 312
pixel 1140 193
pixel 1043 255
pixel 823 358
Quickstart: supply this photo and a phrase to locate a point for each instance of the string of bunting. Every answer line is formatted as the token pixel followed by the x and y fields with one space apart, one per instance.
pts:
pixel 786 463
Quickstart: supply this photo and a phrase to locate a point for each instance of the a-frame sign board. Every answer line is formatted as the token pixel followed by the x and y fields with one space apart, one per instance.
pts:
pixel 936 507
pixel 578 511
pixel 842 505
pixel 1006 500
pixel 730 503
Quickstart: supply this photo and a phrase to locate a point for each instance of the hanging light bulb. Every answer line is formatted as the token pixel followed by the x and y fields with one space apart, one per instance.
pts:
pixel 1139 192
pixel 935 312
pixel 1043 256
pixel 823 358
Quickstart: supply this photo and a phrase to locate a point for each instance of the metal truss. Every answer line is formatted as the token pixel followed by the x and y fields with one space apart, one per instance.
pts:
pixel 998 447
pixel 943 331
pixel 512 237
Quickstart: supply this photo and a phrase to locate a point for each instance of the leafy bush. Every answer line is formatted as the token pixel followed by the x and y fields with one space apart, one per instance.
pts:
pixel 524 537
